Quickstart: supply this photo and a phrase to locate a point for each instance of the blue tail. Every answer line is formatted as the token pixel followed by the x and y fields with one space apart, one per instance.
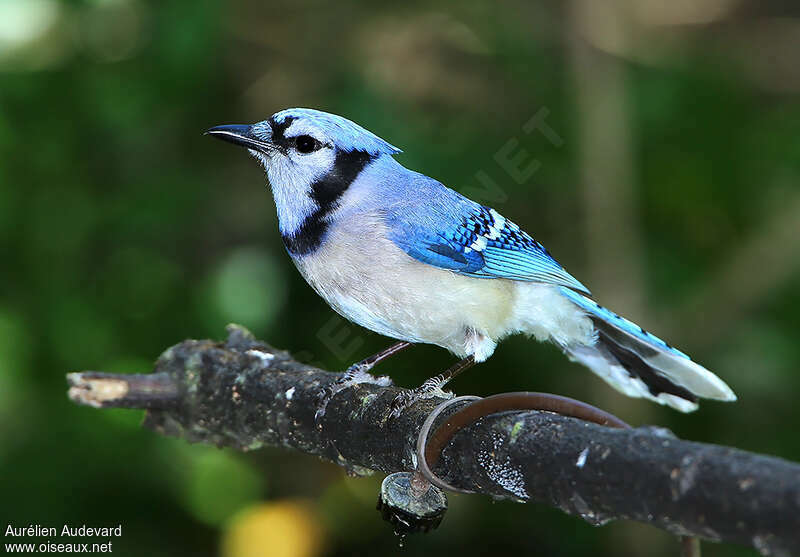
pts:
pixel 640 364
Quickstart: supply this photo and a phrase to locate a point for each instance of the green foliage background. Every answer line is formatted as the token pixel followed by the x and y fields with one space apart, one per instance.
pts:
pixel 123 230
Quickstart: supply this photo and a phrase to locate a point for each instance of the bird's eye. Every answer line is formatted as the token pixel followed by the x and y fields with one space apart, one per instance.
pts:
pixel 306 144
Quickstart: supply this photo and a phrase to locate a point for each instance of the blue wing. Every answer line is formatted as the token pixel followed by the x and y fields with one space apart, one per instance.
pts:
pixel 470 239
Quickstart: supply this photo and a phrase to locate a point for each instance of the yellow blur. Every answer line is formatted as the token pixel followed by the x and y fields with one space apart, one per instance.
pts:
pixel 288 528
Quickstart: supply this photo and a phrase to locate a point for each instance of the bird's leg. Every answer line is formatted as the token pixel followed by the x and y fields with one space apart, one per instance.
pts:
pixel 431 387
pixel 368 363
pixel 359 373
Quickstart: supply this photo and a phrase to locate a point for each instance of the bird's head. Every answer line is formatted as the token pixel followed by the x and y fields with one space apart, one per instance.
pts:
pixel 311 158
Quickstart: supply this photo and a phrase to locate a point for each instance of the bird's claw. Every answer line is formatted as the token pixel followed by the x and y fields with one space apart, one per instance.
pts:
pixel 409 397
pixel 403 400
pixel 354 375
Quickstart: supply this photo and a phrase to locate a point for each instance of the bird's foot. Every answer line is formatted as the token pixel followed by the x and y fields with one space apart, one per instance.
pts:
pixel 429 389
pixel 354 375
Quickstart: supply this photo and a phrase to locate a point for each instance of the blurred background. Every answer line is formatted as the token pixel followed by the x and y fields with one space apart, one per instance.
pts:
pixel 657 155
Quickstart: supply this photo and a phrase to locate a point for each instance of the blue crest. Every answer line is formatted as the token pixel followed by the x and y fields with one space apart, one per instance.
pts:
pixel 347 135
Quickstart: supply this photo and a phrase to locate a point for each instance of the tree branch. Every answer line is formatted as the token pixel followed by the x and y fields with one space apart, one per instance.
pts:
pixel 246 395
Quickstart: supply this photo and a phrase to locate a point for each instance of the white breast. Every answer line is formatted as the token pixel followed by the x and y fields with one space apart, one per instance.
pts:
pixel 369 280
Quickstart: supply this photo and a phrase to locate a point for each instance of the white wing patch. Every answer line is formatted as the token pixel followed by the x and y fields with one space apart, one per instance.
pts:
pixel 479 244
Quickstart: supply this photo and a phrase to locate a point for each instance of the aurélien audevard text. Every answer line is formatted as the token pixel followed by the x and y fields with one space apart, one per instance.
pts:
pixel 55 543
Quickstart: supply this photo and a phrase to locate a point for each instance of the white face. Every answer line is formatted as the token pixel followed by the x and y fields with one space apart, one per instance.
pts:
pixel 312 158
pixel 302 154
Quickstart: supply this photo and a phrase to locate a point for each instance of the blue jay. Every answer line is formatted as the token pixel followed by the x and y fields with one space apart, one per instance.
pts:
pixel 401 254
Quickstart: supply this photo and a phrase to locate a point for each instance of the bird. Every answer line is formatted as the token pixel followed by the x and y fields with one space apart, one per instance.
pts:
pixel 403 255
